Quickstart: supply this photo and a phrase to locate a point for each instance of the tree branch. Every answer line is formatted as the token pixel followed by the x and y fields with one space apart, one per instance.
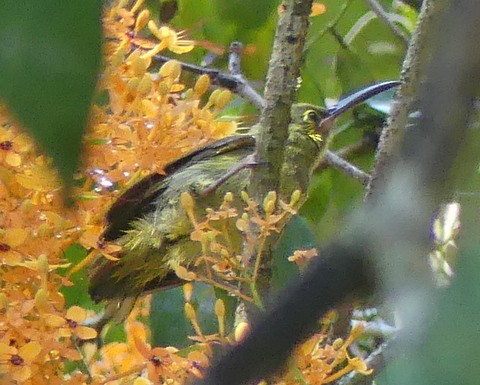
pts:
pixel 352 171
pixel 362 146
pixel 280 92
pixel 235 82
pixel 413 71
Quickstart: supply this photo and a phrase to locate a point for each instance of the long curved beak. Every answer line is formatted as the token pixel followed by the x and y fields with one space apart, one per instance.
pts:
pixel 356 98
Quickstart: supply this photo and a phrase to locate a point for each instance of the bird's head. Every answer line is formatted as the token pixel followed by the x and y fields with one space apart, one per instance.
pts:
pixel 316 122
pixel 307 119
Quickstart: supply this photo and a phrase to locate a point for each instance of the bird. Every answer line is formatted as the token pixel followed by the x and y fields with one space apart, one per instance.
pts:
pixel 153 228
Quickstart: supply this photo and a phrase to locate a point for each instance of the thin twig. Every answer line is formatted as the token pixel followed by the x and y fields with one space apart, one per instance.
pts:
pixel 382 15
pixel 346 167
pixel 368 142
pixel 235 83
pixel 234 67
pixel 226 287
pixel 361 147
pixel 235 58
pixel 358 26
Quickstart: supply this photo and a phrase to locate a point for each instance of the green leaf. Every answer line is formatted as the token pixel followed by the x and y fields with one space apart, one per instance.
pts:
pixel 168 323
pixel 249 14
pixel 318 197
pixel 374 53
pixel 49 61
pixel 407 15
pixel 220 23
pixel 352 72
pixel 78 293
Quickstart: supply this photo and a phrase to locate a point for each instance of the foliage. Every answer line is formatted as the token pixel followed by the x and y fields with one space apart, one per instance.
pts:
pixel 40 65
pixel 142 117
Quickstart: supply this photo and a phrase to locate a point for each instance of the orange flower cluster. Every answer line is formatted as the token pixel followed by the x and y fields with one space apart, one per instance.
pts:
pixel 144 123
pixel 219 235
pixel 37 333
pixel 316 361
pixel 321 363
pixel 122 362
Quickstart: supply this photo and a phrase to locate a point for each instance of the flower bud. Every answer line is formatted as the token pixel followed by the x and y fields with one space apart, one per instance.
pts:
pixel 202 85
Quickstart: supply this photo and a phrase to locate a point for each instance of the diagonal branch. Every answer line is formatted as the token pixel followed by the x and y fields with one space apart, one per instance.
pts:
pixel 382 15
pixel 351 170
pixel 235 82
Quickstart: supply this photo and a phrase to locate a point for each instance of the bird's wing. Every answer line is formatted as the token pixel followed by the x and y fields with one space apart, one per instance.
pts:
pixel 139 199
pixel 219 147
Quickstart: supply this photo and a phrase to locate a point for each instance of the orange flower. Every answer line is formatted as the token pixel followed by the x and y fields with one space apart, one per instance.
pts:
pixel 13 145
pixel 303 257
pixel 40 177
pixel 199 363
pixel 162 363
pixel 10 241
pixel 90 240
pixel 17 362
pixel 169 39
pixel 71 325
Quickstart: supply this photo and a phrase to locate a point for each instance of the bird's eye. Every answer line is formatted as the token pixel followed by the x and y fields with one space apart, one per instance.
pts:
pixel 311 116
